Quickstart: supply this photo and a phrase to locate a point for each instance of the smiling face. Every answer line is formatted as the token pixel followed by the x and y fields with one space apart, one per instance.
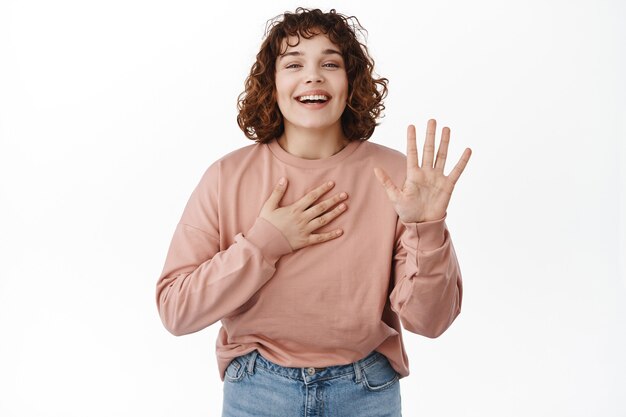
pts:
pixel 311 84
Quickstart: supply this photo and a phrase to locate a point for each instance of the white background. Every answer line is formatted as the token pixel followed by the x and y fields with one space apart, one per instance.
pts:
pixel 111 111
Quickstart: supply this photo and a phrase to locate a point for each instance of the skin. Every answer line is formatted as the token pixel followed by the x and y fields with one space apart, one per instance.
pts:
pixel 423 197
pixel 426 192
pixel 312 64
pixel 299 220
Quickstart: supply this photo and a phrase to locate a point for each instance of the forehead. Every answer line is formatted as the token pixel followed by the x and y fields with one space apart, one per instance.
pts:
pixel 317 43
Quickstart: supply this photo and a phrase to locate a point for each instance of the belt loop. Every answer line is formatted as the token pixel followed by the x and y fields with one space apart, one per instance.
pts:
pixel 357 371
pixel 251 361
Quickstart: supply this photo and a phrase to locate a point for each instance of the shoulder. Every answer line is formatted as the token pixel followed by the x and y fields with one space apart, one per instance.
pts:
pixel 381 150
pixel 236 157
pixel 231 162
pixel 240 154
pixel 392 161
pixel 382 153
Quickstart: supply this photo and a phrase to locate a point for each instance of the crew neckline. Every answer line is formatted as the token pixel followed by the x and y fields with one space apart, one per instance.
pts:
pixel 290 159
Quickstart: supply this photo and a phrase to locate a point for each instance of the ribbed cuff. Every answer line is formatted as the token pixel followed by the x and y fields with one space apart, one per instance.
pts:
pixel 272 243
pixel 429 235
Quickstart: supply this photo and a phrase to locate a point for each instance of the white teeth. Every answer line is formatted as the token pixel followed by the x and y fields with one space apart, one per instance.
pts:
pixel 313 97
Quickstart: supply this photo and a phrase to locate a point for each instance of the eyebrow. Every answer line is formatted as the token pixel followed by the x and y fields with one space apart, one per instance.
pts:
pixel 298 53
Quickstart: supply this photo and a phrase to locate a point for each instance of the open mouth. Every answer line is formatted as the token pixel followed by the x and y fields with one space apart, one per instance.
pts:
pixel 313 99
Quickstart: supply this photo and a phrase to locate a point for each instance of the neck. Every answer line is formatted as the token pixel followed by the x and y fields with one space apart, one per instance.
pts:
pixel 312 143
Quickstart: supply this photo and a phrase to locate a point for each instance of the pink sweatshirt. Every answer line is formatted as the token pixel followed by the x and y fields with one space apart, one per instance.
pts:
pixel 327 304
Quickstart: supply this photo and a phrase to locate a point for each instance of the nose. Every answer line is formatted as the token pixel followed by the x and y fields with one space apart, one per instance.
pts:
pixel 314 76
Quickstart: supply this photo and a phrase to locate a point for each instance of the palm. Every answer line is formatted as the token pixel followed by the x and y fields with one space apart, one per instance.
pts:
pixel 426 191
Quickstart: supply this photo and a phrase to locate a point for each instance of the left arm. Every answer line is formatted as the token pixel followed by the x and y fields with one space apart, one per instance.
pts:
pixel 428 289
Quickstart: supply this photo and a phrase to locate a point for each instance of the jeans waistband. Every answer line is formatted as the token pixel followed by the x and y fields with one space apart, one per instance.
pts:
pixel 254 359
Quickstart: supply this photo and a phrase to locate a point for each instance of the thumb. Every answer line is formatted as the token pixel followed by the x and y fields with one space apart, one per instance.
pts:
pixel 277 193
pixel 390 188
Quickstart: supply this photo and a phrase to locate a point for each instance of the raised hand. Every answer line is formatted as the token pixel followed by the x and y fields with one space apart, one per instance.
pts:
pixel 426 191
pixel 299 220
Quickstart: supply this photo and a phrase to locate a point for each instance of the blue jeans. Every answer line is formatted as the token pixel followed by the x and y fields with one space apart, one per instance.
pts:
pixel 254 386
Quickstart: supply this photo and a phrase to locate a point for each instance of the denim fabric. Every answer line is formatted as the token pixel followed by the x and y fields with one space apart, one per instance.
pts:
pixel 254 386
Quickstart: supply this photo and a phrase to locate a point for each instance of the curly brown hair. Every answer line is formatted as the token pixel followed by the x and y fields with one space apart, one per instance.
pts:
pixel 259 116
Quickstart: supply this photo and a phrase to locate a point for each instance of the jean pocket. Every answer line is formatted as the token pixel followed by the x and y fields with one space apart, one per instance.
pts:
pixel 379 375
pixel 235 371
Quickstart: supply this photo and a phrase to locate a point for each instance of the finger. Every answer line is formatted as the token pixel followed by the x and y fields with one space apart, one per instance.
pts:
pixel 323 237
pixel 277 193
pixel 429 144
pixel 321 208
pixel 411 149
pixel 313 195
pixel 392 191
pixel 442 153
pixel 320 221
pixel 460 166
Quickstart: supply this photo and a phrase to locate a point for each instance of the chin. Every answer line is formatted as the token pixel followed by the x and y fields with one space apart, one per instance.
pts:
pixel 317 124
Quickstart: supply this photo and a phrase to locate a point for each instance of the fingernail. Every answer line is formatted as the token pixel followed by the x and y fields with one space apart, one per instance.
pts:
pixel 281 181
pixel 330 183
pixel 343 195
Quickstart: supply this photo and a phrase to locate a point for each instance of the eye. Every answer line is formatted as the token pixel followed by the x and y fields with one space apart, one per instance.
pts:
pixel 330 65
pixel 290 66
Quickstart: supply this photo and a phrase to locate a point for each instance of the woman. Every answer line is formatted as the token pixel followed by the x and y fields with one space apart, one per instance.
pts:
pixel 311 285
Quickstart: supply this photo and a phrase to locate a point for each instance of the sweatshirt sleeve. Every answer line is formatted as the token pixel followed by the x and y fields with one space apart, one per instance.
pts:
pixel 428 289
pixel 200 284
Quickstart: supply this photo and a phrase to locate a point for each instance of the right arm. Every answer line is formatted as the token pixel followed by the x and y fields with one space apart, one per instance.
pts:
pixel 200 285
